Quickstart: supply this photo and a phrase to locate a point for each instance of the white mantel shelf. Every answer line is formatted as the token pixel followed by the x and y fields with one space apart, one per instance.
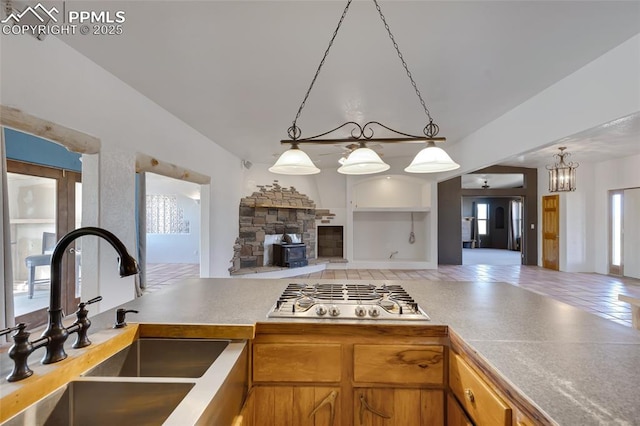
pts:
pixel 392 209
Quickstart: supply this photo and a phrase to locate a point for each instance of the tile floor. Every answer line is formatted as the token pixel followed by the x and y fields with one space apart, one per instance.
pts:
pixel 594 293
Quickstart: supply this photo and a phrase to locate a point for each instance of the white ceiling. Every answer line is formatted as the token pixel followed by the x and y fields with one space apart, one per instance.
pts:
pixel 238 70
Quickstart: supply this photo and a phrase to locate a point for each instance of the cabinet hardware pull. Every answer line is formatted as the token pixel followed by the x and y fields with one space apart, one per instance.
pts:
pixel 364 405
pixel 328 400
pixel 469 394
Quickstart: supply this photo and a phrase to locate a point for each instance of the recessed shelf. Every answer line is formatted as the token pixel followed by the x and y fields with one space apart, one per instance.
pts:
pixel 391 209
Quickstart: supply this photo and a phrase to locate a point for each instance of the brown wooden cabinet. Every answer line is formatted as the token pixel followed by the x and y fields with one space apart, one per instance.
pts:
pixel 397 407
pixel 484 406
pixel 293 406
pixel 455 414
pixel 304 373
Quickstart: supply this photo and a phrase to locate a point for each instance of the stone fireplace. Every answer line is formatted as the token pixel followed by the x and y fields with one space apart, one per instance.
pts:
pixel 274 211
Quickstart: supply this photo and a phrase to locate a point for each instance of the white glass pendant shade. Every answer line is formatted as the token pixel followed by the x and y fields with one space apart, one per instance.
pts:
pixel 431 160
pixel 294 161
pixel 363 161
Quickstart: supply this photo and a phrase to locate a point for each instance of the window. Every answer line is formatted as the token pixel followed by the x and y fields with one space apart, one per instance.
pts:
pixel 164 216
pixel 482 212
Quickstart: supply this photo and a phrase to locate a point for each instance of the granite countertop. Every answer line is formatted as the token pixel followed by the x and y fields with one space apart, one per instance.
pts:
pixel 577 367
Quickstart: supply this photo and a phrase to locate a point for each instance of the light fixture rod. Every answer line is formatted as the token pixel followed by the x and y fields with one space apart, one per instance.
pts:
pixel 417 139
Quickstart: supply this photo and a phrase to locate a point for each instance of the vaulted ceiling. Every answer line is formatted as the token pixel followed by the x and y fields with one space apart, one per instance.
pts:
pixel 238 70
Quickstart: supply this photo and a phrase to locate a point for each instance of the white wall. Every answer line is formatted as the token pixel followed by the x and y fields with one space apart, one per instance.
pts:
pixel 615 174
pixel 603 90
pixel 52 81
pixel 176 248
pixel 584 216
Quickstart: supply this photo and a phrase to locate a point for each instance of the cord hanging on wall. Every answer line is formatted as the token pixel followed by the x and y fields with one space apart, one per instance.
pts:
pixel 412 236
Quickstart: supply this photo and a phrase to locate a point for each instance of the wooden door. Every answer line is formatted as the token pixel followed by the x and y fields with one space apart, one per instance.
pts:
pixel 550 232
pixel 296 406
pixel 398 407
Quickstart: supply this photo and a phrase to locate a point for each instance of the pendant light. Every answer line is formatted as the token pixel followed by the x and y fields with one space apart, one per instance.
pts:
pixel 364 160
pixel 562 174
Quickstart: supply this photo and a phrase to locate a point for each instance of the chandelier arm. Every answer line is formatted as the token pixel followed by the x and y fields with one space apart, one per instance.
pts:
pixel 404 63
pixel 358 127
pixel 324 57
pixel 368 125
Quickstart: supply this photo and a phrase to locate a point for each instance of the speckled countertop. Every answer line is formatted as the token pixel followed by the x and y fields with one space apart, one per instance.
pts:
pixel 578 368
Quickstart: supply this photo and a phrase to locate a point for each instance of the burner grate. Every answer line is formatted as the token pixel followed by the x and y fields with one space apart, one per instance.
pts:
pixel 357 301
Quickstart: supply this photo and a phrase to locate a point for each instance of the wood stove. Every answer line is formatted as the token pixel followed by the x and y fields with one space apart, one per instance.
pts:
pixel 290 255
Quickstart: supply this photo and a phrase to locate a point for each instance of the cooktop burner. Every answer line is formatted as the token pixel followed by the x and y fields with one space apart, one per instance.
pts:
pixel 348 301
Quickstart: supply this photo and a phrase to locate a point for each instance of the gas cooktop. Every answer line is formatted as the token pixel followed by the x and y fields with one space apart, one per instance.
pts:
pixel 347 301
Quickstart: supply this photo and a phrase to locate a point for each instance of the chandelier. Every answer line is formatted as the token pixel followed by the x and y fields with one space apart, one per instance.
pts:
pixel 562 174
pixel 363 160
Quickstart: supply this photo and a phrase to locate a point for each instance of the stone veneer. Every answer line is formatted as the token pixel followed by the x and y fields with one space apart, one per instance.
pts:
pixel 272 210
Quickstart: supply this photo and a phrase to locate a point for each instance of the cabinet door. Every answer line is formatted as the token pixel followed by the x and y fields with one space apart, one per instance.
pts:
pixel 295 405
pixel 398 407
pixel 455 414
pixel 246 416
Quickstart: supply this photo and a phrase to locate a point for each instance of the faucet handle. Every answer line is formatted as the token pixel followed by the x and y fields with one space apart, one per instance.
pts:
pixel 18 327
pixel 94 300
pixel 121 314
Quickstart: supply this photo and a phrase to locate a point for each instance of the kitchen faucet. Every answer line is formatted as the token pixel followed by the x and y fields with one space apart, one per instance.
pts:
pixel 54 337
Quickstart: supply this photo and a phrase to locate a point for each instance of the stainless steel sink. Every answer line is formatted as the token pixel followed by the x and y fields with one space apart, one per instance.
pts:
pixel 106 403
pixel 186 358
pixel 172 382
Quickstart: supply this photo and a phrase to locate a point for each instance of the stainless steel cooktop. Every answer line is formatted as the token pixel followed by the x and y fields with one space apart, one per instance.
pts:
pixel 347 301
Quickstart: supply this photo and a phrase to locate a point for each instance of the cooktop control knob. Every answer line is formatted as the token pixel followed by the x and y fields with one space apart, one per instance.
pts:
pixel 321 310
pixel 361 311
pixel 334 311
pixel 374 312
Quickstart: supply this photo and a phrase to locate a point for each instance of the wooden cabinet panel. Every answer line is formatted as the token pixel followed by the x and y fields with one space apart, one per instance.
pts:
pixel 292 362
pixel 294 406
pixel 398 407
pixel 455 414
pixel 483 405
pixel 398 364
pixel 246 416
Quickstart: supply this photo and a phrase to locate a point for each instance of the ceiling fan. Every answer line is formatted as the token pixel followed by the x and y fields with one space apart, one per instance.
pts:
pixel 346 150
pixel 485 186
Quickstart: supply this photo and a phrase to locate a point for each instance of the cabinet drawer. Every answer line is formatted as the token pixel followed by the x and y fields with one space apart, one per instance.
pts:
pixel 290 362
pixel 483 405
pixel 398 364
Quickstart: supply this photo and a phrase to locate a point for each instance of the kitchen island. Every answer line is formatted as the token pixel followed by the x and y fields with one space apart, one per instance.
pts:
pixel 574 367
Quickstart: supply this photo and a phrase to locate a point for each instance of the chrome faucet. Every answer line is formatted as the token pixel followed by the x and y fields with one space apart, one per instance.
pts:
pixel 55 331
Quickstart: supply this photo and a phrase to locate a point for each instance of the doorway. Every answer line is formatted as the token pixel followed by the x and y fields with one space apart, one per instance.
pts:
pixel 171 217
pixel 44 204
pixel 624 232
pixel 492 229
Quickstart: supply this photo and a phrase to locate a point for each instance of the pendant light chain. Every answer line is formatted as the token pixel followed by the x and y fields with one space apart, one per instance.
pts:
pixel 294 130
pixel 431 129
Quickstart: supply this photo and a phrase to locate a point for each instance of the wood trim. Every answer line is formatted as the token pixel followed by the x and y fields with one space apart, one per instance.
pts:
pixel 17 396
pixel 504 388
pixel 412 331
pixel 147 163
pixel 198 331
pixel 73 140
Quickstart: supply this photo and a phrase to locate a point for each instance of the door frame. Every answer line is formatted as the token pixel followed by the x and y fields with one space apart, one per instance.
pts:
pixel 65 222
pixel 617 270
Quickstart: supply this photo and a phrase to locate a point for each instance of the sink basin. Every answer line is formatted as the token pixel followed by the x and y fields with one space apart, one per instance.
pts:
pixel 184 358
pixel 99 403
